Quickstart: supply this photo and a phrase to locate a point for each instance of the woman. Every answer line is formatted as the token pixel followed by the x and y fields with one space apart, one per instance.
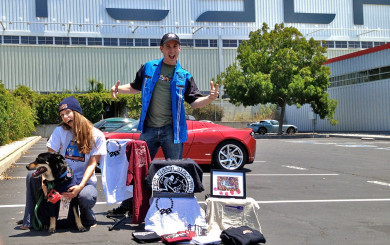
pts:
pixel 82 145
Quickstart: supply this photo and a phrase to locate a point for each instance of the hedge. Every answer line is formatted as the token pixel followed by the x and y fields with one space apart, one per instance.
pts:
pixel 17 119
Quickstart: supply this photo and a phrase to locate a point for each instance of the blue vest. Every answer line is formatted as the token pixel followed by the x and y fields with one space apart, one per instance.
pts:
pixel 151 73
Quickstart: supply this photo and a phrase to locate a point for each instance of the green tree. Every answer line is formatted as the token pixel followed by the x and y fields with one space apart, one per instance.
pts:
pixel 280 66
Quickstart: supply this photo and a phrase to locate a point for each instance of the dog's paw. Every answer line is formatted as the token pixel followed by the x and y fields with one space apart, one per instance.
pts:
pixel 81 228
pixel 51 229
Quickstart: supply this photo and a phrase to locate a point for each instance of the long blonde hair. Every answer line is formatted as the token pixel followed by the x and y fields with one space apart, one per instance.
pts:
pixel 82 132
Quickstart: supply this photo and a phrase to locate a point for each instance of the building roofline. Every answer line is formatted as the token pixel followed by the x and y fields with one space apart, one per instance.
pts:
pixel 358 53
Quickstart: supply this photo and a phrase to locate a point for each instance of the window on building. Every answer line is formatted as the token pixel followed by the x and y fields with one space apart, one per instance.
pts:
pixel 187 42
pixel 45 40
pixel 201 43
pixel 229 43
pixel 28 40
pixel 379 43
pixel 126 42
pixel 79 41
pixel 110 41
pixel 139 42
pixel 373 74
pixel 213 43
pixel 62 40
pixel 341 44
pixel 385 72
pixel 93 41
pixel 367 45
pixel 353 44
pixel 11 39
pixel 329 44
pixel 155 42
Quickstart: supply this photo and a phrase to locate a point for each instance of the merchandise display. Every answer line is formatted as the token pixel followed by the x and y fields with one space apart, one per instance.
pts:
pixel 242 235
pixel 177 219
pixel 113 167
pixel 223 213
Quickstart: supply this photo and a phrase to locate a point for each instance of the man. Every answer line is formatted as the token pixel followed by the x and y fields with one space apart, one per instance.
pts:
pixel 164 85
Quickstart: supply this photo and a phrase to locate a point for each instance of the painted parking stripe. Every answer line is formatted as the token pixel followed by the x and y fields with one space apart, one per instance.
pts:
pixel 325 201
pixel 379 183
pixel 262 202
pixel 294 167
pixel 285 175
pixel 247 175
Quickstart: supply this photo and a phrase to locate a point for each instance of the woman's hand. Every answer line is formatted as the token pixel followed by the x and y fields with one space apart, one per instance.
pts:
pixel 72 192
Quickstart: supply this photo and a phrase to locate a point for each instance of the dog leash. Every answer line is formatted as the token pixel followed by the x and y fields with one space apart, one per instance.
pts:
pixel 37 224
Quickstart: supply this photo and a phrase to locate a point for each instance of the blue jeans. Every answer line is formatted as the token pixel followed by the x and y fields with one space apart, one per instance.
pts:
pixel 86 200
pixel 162 137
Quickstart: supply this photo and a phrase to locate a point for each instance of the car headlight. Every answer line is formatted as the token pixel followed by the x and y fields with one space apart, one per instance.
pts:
pixel 252 133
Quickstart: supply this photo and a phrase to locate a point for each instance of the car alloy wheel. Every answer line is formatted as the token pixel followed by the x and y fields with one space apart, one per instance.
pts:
pixel 262 130
pixel 230 155
pixel 290 131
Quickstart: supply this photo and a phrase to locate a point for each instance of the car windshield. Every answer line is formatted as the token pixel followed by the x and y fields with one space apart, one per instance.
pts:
pixel 128 128
pixel 274 122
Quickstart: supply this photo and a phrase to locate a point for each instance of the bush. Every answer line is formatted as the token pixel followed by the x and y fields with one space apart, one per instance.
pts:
pixel 16 117
pixel 93 105
pixel 210 112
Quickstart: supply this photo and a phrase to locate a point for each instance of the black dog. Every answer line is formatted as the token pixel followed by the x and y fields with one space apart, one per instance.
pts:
pixel 56 173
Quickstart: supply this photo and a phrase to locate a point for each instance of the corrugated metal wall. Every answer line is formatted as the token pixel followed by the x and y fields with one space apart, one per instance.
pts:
pixel 90 18
pixel 361 107
pixel 366 62
pixel 60 68
pixel 57 69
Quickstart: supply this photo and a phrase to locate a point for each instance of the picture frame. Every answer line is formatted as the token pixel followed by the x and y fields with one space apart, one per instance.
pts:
pixel 228 184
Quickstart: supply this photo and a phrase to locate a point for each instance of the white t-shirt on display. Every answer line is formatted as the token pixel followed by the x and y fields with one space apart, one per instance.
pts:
pixel 170 215
pixel 62 142
pixel 114 172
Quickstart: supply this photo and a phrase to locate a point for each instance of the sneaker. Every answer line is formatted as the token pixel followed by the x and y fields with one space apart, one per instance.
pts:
pixel 117 212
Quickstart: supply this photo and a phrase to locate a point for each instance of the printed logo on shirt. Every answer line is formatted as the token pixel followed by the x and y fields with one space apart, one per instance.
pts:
pixel 173 179
pixel 73 153
pixel 165 79
pixel 113 150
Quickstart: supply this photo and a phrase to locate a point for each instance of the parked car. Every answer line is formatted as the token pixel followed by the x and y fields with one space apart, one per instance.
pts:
pixel 208 143
pixel 271 126
pixel 110 124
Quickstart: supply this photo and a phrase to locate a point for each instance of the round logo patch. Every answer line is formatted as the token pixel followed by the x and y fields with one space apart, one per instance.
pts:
pixel 173 179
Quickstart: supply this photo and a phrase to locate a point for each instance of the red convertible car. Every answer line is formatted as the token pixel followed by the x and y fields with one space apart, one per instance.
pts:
pixel 208 143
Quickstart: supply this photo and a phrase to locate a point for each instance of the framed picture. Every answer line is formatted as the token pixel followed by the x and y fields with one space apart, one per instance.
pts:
pixel 229 184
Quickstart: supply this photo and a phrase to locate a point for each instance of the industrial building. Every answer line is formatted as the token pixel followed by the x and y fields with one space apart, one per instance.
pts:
pixel 360 82
pixel 55 45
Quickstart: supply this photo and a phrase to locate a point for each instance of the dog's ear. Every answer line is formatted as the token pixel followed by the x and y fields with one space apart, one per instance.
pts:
pixel 60 157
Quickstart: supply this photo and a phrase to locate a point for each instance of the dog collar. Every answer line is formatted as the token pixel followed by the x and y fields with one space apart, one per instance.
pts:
pixel 64 174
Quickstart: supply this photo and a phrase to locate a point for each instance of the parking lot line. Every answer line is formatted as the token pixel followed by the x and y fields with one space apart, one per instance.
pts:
pixel 326 201
pixel 379 183
pixel 285 175
pixel 263 202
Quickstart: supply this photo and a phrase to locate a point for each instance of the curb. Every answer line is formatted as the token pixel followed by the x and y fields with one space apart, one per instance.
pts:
pixel 6 162
pixel 362 137
pixel 296 136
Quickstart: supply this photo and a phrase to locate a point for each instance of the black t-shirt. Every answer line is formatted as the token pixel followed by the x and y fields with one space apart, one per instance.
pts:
pixel 175 176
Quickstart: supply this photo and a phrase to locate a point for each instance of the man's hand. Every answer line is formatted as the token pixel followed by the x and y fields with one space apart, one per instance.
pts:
pixel 114 90
pixel 214 92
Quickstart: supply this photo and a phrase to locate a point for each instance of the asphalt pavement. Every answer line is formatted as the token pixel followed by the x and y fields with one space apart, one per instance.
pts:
pixel 330 189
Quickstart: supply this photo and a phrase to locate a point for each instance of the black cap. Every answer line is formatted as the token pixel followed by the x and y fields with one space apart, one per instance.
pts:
pixel 169 37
